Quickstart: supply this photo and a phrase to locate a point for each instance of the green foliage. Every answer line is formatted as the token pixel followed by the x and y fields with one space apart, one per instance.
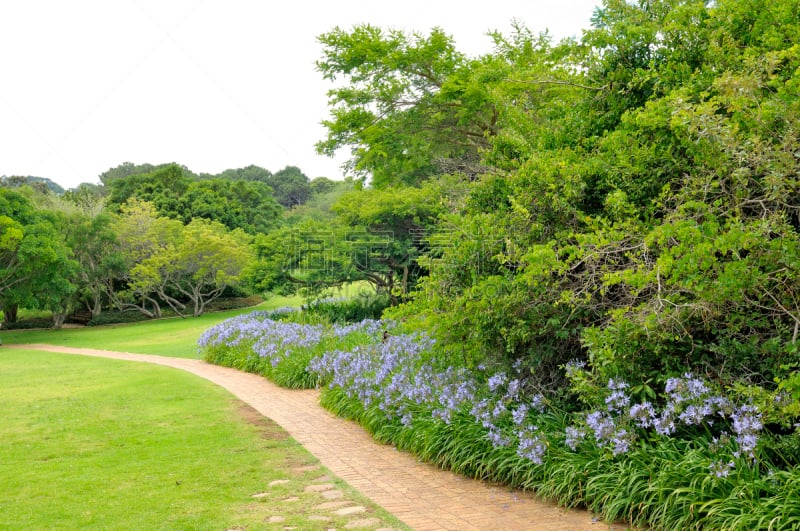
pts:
pixel 246 204
pixel 36 265
pixel 30 323
pixel 88 198
pixel 377 236
pixel 185 267
pixel 127 169
pixel 225 303
pixel 248 173
pixel 325 194
pixel 348 310
pixel 94 245
pixel 408 109
pixel 644 207
pixel 41 184
pixel 290 186
pixel 118 317
pixel 163 187
pixel 385 230
pixel 322 185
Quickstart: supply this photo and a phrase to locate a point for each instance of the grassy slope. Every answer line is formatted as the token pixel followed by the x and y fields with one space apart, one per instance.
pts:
pixel 103 444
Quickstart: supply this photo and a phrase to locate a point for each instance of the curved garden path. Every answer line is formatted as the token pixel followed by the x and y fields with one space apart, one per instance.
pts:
pixel 419 494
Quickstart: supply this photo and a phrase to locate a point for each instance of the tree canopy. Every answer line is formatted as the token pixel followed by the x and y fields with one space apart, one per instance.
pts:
pixel 36 265
pixel 408 107
pixel 630 199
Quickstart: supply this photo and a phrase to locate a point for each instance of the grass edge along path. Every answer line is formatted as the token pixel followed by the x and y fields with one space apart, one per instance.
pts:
pixel 104 444
pixel 168 336
pixel 421 495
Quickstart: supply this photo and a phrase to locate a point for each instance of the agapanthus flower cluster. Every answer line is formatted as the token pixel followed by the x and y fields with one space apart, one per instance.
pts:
pixel 507 400
pixel 269 338
pixel 392 375
pixel 721 469
pixel 239 329
pixel 747 425
pixel 532 445
pixel 618 400
pixel 690 402
pixel 280 339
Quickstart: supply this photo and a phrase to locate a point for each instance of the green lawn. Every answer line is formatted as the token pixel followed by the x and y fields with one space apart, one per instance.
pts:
pixel 91 443
pixel 175 337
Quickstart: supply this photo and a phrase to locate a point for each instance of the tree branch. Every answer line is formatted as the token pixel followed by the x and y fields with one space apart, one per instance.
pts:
pixel 552 82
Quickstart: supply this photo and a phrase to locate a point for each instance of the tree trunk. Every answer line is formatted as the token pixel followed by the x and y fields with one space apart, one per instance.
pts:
pixel 96 306
pixel 10 313
pixel 156 307
pixel 176 305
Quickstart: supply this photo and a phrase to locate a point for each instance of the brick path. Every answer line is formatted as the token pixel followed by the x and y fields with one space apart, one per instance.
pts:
pixel 421 495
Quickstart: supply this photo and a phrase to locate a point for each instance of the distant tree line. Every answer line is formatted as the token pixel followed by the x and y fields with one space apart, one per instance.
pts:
pixel 147 238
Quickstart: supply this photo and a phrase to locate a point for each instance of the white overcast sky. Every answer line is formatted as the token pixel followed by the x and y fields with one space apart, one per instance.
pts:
pixel 86 85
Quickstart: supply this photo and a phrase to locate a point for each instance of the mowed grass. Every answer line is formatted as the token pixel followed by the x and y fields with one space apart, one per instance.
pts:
pixel 175 337
pixel 92 443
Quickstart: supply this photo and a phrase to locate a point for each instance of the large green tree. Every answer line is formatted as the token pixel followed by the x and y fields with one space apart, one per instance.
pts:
pixel 238 204
pixel 195 265
pixel 406 105
pixel 141 234
pixel 242 203
pixel 167 262
pixel 95 246
pixel 290 186
pixel 248 173
pixel 163 188
pixel 35 263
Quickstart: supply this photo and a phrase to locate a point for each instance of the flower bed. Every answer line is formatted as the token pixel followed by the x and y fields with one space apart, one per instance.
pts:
pixel 690 457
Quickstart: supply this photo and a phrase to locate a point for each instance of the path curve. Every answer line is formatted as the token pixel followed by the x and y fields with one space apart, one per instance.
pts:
pixel 421 495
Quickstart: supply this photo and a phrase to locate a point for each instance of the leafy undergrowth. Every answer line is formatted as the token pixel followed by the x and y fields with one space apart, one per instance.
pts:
pixel 691 457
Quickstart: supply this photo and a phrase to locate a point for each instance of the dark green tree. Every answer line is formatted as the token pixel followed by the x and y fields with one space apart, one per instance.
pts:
pixel 248 173
pixel 163 187
pixel 290 186
pixel 244 204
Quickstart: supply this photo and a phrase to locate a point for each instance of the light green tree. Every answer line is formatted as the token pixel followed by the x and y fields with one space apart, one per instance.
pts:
pixel 194 265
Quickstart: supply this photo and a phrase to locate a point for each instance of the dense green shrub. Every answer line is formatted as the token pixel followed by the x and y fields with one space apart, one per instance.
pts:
pixel 118 317
pixel 234 303
pixel 648 213
pixel 348 310
pixel 28 324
